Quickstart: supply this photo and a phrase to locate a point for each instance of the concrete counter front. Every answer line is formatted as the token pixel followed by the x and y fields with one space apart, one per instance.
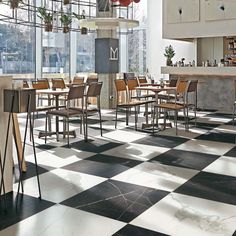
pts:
pixel 217 88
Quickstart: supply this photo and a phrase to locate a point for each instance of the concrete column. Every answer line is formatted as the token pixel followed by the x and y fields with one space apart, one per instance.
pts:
pixel 108 90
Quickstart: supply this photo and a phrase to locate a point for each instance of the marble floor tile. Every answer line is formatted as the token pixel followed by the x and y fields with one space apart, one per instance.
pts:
pixel 231 152
pixel 59 184
pixel 203 146
pixel 116 200
pixel 216 187
pixel 27 206
pixel 181 215
pixel 130 230
pixel 124 136
pixel 136 151
pixel 158 176
pixel 224 165
pixel 159 140
pixel 64 221
pixel 218 136
pixel 185 159
pixel 48 159
pixel 103 168
pixel 95 145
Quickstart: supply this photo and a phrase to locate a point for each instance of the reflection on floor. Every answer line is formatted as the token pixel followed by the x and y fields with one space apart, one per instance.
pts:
pixel 130 182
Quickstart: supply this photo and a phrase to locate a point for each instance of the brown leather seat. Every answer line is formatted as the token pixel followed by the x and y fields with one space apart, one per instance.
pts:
pixel 175 106
pixel 75 92
pixel 127 103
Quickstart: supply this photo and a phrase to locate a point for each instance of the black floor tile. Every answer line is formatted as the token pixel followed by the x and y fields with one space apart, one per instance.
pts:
pixel 90 121
pixel 94 145
pixel 202 125
pixel 218 137
pixel 162 141
pixel 220 115
pixel 186 159
pixel 46 146
pixel 102 168
pixel 27 206
pixel 132 230
pixel 116 200
pixel 114 160
pixel 31 171
pixel 220 188
pixel 231 153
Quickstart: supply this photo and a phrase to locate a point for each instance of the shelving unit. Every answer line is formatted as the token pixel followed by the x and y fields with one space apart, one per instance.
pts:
pixel 230 50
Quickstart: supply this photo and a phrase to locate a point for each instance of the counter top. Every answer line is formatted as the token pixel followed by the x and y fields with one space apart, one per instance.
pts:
pixel 200 71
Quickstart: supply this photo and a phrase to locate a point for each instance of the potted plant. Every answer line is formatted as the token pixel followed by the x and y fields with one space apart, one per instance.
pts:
pixel 83 30
pixel 66 21
pixel 46 17
pixel 169 54
pixel 66 2
pixel 14 3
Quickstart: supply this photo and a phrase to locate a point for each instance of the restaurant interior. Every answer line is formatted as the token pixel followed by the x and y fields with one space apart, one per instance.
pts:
pixel 117 117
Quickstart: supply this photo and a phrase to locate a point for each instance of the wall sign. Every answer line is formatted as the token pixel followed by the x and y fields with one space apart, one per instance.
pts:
pixel 106 55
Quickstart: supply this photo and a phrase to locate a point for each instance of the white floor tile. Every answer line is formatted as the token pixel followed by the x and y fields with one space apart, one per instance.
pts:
pixel 64 221
pixel 224 165
pixel 124 136
pixel 48 159
pixel 158 176
pixel 204 146
pixel 182 215
pixel 136 151
pixel 59 185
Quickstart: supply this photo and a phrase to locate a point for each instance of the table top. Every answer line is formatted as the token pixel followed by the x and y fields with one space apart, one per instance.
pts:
pixel 155 88
pixel 52 92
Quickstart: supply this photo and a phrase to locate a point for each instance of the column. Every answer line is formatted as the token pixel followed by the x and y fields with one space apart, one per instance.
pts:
pixel 108 88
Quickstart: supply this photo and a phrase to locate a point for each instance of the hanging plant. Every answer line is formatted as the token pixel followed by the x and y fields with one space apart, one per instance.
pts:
pixel 66 2
pixel 84 30
pixel 14 4
pixel 66 21
pixel 46 17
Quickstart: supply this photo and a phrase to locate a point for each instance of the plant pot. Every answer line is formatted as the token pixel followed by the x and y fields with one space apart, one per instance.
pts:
pixel 14 4
pixel 48 27
pixel 66 29
pixel 66 2
pixel 169 62
pixel 84 30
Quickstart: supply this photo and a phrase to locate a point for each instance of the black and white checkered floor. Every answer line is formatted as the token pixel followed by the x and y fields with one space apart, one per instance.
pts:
pixel 130 182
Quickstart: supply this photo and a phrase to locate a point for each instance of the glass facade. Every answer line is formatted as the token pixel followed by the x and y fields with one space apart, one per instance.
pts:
pixel 19 45
pixel 137 38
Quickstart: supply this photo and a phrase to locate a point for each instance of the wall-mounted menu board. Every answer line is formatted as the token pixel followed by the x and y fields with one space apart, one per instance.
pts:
pixel 220 10
pixel 183 11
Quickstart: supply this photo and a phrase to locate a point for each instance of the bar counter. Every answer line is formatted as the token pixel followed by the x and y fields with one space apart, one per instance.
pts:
pixel 216 87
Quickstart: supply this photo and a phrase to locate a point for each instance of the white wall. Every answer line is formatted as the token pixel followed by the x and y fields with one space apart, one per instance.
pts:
pixel 211 23
pixel 156 44
pixel 210 49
